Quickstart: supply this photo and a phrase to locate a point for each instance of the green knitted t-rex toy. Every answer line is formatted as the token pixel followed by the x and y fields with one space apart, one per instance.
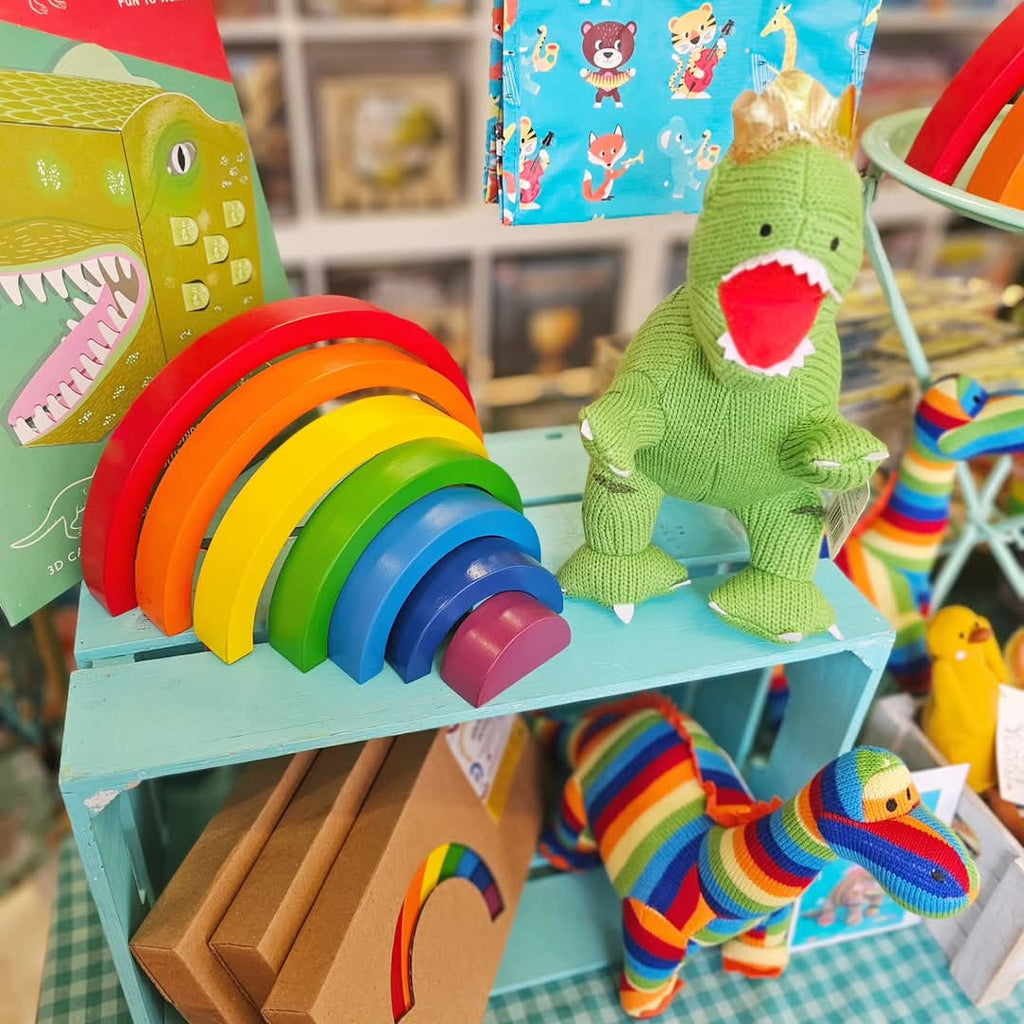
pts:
pixel 729 392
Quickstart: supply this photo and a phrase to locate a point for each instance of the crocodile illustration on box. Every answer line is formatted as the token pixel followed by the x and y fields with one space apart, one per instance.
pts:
pixel 128 213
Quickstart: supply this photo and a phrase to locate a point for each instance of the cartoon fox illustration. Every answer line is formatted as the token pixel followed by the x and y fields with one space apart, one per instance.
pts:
pixel 606 151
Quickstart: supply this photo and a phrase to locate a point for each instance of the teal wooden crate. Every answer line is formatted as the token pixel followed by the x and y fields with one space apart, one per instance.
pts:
pixel 144 706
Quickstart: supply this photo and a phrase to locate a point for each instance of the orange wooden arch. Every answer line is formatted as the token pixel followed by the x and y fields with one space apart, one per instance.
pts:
pixel 999 175
pixel 228 438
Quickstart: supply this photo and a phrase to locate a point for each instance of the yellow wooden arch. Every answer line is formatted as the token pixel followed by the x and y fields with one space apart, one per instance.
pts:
pixel 283 490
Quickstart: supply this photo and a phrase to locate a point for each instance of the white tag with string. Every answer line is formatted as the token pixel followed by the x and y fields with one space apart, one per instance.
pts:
pixel 841 514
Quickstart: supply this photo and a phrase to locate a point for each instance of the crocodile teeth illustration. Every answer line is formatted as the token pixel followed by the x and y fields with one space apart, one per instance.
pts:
pixel 114 292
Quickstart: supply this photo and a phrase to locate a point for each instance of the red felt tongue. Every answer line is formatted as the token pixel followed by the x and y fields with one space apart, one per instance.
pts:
pixel 769 311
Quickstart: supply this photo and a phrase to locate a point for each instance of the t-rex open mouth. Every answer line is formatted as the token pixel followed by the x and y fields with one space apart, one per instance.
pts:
pixel 114 292
pixel 770 303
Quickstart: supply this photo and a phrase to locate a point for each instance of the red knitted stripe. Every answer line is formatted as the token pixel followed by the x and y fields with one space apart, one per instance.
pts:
pixel 636 786
pixel 684 905
pixel 648 941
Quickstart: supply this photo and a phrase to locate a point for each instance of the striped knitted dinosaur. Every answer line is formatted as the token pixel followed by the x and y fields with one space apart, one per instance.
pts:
pixel 891 555
pixel 697 862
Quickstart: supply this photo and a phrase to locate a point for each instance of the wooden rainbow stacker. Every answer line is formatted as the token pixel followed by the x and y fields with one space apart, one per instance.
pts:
pixel 145 705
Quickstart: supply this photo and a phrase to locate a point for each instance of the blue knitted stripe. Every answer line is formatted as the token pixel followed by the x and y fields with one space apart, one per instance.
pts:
pixel 631 762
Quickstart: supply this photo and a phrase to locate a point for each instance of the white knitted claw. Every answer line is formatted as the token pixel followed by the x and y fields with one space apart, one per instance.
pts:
pixel 876 457
pixel 624 473
pixel 625 612
pixel 826 464
pixel 588 434
pixel 836 632
pixel 790 638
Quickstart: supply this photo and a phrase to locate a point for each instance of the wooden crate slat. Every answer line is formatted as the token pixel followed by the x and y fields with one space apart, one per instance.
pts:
pixel 565 925
pixel 701 535
pixel 164 716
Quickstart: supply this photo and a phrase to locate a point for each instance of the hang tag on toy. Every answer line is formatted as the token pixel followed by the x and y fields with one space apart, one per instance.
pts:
pixel 1010 744
pixel 841 515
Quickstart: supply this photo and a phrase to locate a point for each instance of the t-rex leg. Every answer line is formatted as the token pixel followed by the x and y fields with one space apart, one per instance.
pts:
pixel 569 844
pixel 618 566
pixel 763 952
pixel 654 951
pixel 775 596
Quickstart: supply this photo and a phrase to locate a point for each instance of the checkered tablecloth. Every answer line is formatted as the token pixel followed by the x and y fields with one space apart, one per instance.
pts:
pixel 894 978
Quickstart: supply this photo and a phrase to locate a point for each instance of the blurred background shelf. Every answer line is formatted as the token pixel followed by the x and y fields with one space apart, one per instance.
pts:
pixel 437 253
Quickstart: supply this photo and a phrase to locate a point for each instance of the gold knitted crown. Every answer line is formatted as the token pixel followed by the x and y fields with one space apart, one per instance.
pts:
pixel 794 108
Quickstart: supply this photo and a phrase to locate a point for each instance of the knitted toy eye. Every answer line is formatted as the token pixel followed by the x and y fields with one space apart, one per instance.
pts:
pixel 891 805
pixel 766 230
pixel 939 875
pixel 834 244
pixel 909 797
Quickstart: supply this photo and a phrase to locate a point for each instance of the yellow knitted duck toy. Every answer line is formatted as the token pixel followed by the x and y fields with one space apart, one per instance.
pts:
pixel 962 710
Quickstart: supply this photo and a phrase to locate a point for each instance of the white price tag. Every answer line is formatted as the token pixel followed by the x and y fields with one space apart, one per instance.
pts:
pixel 841 515
pixel 1010 744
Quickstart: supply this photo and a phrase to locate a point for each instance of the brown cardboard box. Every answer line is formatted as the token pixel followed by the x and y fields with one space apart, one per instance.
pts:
pixel 172 944
pixel 261 924
pixel 340 967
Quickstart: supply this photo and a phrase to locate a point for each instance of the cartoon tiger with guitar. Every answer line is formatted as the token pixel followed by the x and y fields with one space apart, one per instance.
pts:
pixel 696 58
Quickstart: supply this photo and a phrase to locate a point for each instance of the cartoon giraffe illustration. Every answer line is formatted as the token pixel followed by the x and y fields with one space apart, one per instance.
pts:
pixel 780 23
pixel 892 552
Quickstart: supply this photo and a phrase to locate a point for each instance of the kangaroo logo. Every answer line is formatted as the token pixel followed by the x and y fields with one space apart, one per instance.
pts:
pixel 65 510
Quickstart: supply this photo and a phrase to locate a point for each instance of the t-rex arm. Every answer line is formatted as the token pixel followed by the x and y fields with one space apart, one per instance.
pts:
pixel 624 420
pixel 830 452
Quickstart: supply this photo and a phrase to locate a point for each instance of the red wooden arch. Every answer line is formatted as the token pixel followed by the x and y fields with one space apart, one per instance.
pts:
pixel 972 101
pixel 184 391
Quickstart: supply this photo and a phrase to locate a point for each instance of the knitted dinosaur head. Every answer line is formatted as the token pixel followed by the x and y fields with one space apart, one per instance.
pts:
pixel 958 419
pixel 869 811
pixel 780 237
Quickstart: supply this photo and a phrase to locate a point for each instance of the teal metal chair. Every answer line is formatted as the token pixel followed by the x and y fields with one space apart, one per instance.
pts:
pixel 886 143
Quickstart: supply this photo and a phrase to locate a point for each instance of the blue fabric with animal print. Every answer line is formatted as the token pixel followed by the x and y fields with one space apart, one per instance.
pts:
pixel 620 108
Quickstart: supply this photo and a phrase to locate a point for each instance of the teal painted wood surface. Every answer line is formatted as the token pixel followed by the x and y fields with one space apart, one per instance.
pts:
pixel 151 706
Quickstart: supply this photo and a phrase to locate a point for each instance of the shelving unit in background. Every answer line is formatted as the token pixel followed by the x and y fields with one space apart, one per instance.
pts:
pixel 314 242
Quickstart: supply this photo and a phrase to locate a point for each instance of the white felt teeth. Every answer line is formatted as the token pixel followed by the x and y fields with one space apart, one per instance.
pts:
pixel 807 266
pixel 836 632
pixel 800 354
pixel 624 473
pixel 625 612
pixel 585 430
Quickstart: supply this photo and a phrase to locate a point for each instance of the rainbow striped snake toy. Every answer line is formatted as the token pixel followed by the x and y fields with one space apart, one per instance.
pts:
pixel 698 862
pixel 891 554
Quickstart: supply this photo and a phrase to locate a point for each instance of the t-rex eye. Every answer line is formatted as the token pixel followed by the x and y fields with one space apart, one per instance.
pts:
pixel 834 244
pixel 891 805
pixel 766 230
pixel 183 156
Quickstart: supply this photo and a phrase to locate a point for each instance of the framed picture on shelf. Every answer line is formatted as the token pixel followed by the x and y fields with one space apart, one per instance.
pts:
pixel 386 8
pixel 257 75
pixel 548 309
pixel 244 8
pixel 389 141
pixel 436 297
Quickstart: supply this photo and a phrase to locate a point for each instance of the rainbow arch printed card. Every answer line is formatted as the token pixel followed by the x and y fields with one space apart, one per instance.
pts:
pixel 621 109
pixel 131 223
